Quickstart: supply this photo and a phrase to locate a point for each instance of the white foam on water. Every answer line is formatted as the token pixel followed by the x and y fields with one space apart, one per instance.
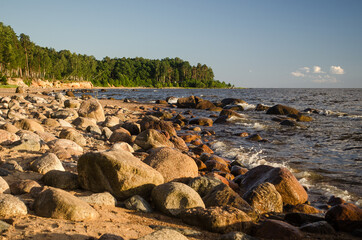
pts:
pixel 256 126
pixel 247 106
pixel 153 101
pixel 173 100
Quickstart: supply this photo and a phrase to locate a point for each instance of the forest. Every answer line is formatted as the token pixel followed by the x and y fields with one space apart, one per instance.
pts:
pixel 20 57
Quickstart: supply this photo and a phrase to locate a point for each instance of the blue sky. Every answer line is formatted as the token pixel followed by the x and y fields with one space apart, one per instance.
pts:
pixel 256 43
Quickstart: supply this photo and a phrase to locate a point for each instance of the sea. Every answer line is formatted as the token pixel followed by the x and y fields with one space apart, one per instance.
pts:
pixel 325 154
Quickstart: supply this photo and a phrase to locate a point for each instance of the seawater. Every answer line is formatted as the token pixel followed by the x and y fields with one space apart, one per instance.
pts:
pixel 325 155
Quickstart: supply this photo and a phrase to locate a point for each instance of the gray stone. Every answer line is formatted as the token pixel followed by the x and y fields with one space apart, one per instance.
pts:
pixel 46 163
pixel 11 206
pixel 101 199
pixel 138 203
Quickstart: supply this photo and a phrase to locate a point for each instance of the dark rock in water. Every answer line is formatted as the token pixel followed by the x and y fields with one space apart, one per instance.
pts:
pixel 300 117
pixel 284 181
pixel 345 217
pixel 218 219
pixel 238 170
pixel 204 104
pixel 231 101
pixel 275 229
pixel 321 227
pixel 299 219
pixel 221 119
pixel 282 110
pixel 333 201
pixel 234 107
pixel 255 137
pixel 201 121
pixel 230 113
pixel 261 107
pixel 188 102
pixel 289 123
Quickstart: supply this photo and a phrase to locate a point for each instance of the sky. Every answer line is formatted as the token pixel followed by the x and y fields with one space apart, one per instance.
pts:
pixel 251 43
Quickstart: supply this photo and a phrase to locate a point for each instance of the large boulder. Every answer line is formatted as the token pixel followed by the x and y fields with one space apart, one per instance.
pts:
pixel 172 164
pixel 11 206
pixel 264 198
pixel 152 138
pixel 218 219
pixel 173 198
pixel 231 101
pixel 223 195
pixel 345 217
pixel 282 110
pixel 117 172
pixel 120 135
pixel 59 204
pixel 275 229
pixel 151 122
pixel 205 104
pixel 188 102
pixel 285 183
pixel 29 124
pixel 46 163
pixel 91 108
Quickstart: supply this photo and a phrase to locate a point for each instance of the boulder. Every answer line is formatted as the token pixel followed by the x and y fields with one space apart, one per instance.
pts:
pixel 223 195
pixel 172 164
pixel 46 163
pixel 345 217
pixel 109 236
pixel 201 121
pixel 67 145
pixel 204 104
pixel 4 186
pixel 301 208
pixel 232 101
pixel 71 103
pixel 299 219
pixel 65 114
pixel 11 206
pixel 133 128
pixel 23 186
pixel 321 227
pixel 26 145
pixel 19 90
pixel 285 183
pixel 59 204
pixel 230 113
pixel 275 229
pixel 203 185
pixel 120 135
pixel 173 198
pixel 152 138
pixel 61 179
pixel 179 143
pixel 282 110
pixel 138 203
pixel 218 219
pixel 29 124
pixel 91 108
pixel 261 107
pixel 188 102
pixel 111 121
pixel 123 146
pixel 101 199
pixel 46 136
pixel 117 172
pixel 7 137
pixel 264 198
pixel 83 123
pixel 164 234
pixel 73 135
pixel 151 122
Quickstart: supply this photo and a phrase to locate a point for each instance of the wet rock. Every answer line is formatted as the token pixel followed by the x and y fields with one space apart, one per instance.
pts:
pixel 275 229
pixel 218 219
pixel 164 234
pixel 4 186
pixel 23 186
pixel 173 198
pixel 223 195
pixel 234 107
pixel 232 101
pixel 11 206
pixel 7 137
pixel 46 163
pixel 61 179
pixel 345 217
pixel 73 135
pixel 204 104
pixel 69 94
pixel 301 208
pixel 289 123
pixel 333 201
pixel 29 124
pixel 117 172
pixel 321 227
pixel 100 199
pixel 282 110
pixel 190 137
pixel 91 108
pixel 138 203
pixel 152 138
pixel 264 198
pixel 255 137
pixel 300 117
pixel 202 121
pixel 261 107
pixel 230 113
pixel 150 122
pixel 188 102
pixel 59 204
pixel 299 219
pixel 284 181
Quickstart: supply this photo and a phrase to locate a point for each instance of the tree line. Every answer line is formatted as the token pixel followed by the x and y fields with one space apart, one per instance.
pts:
pixel 20 57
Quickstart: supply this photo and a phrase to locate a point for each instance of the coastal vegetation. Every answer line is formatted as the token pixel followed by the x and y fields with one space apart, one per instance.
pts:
pixel 20 57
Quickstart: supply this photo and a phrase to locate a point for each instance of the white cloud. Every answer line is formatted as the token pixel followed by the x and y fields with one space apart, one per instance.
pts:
pixel 297 74
pixel 317 69
pixel 336 70
pixel 306 69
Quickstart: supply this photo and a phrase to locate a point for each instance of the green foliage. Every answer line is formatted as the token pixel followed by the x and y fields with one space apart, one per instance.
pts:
pixel 19 57
pixel 3 80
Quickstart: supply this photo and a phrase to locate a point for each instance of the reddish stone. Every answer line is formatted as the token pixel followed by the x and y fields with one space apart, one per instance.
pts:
pixel 275 229
pixel 345 217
